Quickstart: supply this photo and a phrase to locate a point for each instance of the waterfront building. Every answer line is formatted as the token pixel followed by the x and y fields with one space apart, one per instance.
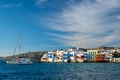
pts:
pixel 65 57
pixel 99 57
pixel 44 58
pixel 79 56
pixel 72 56
pixel 118 50
pixel 50 56
pixel 92 54
pixel 115 57
pixel 59 56
pixel 86 57
pixel 54 57
pixel 107 56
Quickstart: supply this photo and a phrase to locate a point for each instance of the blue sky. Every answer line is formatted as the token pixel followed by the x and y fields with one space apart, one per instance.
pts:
pixel 54 24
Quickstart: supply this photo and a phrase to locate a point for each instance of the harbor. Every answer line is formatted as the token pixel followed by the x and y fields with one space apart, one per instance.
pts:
pixel 100 54
pixel 59 39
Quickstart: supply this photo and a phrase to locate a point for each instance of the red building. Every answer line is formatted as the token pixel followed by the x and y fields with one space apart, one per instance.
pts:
pixel 100 57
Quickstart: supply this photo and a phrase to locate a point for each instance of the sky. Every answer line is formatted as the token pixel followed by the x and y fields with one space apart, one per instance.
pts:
pixel 56 24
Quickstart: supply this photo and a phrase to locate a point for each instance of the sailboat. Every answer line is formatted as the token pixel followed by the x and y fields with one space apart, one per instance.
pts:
pixel 22 59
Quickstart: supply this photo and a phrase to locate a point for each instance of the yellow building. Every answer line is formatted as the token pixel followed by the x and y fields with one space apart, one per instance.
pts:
pixel 92 54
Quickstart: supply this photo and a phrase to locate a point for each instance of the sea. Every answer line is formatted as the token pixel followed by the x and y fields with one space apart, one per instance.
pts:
pixel 60 71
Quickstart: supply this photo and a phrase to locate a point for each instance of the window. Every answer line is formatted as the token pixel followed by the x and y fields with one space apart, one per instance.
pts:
pixel 64 54
pixel 71 54
pixel 49 56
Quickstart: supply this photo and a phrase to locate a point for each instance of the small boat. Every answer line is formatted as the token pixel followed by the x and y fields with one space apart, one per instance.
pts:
pixel 22 59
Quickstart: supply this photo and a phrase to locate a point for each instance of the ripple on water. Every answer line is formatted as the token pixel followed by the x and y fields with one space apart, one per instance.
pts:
pixel 60 71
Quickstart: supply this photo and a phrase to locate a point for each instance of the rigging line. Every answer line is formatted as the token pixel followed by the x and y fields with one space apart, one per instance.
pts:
pixel 17 45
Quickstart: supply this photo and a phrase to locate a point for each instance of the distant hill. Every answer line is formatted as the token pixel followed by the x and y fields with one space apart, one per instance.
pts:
pixel 105 48
pixel 32 55
pixel 1 58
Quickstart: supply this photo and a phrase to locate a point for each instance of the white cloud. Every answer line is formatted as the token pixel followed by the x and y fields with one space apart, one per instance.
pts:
pixel 118 17
pixel 19 4
pixel 110 3
pixel 93 22
pixel 40 2
pixel 11 5
pixel 5 6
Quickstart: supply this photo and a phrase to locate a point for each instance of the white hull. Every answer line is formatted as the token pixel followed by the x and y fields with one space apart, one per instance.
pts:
pixel 17 63
pixel 21 61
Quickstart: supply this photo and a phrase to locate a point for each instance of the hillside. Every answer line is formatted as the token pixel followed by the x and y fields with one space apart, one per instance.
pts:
pixel 36 56
pixel 106 48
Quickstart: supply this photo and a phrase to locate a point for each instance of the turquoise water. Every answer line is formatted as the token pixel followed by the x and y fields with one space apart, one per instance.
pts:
pixel 60 71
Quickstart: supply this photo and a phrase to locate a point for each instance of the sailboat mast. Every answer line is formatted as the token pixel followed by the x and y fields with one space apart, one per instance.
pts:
pixel 17 45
